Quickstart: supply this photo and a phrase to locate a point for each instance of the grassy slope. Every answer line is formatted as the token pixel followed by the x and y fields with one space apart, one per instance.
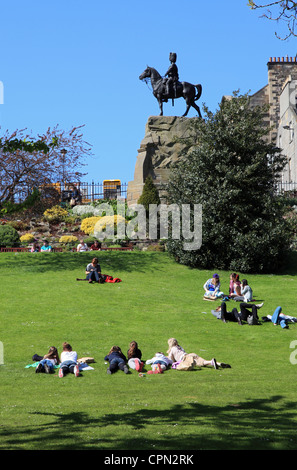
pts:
pixel 250 406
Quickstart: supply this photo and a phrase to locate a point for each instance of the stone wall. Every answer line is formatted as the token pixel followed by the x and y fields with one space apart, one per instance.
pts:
pixel 158 151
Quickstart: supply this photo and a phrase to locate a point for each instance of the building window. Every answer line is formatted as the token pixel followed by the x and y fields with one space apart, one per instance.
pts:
pixel 291 131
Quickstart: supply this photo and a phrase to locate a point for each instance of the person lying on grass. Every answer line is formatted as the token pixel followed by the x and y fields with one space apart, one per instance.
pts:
pixel 134 355
pixel 68 361
pixel 159 363
pixel 117 360
pixel 49 361
pixel 187 361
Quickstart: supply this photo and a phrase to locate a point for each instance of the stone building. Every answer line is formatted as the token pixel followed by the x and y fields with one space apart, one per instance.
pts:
pixel 280 93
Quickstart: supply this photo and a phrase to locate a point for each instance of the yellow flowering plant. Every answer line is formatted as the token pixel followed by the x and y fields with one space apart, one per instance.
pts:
pixel 27 238
pixel 88 224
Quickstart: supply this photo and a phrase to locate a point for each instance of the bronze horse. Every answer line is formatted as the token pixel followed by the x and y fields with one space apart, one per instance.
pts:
pixel 189 92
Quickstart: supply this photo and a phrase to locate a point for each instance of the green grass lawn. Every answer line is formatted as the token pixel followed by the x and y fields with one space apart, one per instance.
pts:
pixel 250 406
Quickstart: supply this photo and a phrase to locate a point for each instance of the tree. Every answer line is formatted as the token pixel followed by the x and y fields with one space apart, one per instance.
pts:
pixel 27 163
pixel 150 194
pixel 231 170
pixel 284 10
pixel 8 236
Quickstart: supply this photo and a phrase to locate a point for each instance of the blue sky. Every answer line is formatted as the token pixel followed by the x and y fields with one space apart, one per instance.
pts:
pixel 77 63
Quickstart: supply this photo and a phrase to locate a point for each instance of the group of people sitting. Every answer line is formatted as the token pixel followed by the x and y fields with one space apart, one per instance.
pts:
pixel 45 248
pixel 83 246
pixel 239 291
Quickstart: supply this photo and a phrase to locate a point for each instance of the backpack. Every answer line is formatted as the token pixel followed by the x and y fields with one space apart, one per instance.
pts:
pixel 251 320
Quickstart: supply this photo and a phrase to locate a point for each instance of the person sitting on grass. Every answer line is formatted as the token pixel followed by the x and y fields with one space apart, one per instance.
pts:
pixel 93 271
pixel 159 363
pixel 187 361
pixel 117 360
pixel 134 355
pixel 235 285
pixel 212 288
pixel 68 361
pixel 49 361
pixel 246 294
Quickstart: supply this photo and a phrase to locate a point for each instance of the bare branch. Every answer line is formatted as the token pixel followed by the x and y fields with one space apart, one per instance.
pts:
pixel 283 10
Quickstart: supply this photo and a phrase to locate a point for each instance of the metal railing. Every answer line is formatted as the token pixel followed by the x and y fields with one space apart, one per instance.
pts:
pixel 90 192
pixel 287 188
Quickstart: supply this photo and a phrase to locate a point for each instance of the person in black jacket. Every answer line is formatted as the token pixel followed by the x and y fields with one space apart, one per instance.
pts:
pixel 117 360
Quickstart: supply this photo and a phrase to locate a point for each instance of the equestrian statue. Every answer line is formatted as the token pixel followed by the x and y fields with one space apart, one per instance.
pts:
pixel 169 87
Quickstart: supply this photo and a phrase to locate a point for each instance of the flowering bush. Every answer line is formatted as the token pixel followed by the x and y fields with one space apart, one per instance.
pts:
pixel 68 239
pixel 82 210
pixel 108 222
pixel 55 214
pixel 27 238
pixel 88 224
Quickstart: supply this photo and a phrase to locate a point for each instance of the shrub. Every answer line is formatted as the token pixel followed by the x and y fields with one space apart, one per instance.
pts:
pixel 156 247
pixel 150 194
pixel 65 239
pixel 8 236
pixel 18 225
pixel 55 214
pixel 110 221
pixel 27 238
pixel 88 224
pixel 83 210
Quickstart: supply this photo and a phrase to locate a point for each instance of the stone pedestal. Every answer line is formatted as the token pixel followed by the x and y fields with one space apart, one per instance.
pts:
pixel 158 150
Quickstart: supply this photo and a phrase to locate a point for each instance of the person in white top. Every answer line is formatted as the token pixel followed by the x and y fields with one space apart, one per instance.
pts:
pixel 68 361
pixel 82 246
pixel 186 361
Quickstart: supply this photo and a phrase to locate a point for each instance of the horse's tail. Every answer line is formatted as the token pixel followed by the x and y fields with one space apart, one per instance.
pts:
pixel 199 92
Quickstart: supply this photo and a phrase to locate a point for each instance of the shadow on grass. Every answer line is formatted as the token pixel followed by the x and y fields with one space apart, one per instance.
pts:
pixel 136 261
pixel 256 424
pixel 115 261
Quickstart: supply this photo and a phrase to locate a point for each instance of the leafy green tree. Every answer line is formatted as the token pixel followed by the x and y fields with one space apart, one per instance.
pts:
pixel 231 170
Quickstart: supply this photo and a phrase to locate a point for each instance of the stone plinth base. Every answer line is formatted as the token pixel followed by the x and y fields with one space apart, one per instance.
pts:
pixel 158 150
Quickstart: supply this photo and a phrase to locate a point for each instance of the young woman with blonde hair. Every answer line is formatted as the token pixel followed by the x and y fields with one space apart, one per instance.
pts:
pixel 187 361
